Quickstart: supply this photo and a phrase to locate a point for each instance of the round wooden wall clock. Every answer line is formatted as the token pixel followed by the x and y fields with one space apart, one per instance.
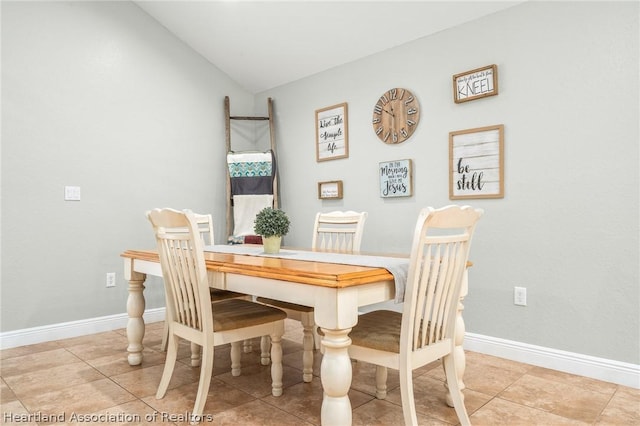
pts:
pixel 396 115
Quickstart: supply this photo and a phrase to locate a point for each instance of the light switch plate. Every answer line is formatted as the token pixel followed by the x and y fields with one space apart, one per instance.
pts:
pixel 72 193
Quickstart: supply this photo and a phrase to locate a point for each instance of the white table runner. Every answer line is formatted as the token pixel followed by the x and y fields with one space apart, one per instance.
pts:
pixel 397 266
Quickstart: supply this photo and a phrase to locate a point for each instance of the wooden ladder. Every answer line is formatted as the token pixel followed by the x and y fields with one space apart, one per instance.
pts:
pixel 272 137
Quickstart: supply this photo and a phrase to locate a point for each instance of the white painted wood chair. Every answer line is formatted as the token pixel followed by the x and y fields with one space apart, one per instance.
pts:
pixel 205 229
pixel 425 330
pixel 339 231
pixel 336 232
pixel 191 314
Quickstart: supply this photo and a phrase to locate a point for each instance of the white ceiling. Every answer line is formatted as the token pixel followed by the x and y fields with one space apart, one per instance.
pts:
pixel 265 44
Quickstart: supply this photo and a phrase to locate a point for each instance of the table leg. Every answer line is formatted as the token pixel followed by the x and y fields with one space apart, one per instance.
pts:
pixel 135 325
pixel 335 372
pixel 459 339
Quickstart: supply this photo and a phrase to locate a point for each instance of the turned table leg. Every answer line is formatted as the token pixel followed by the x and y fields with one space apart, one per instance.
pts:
pixel 336 374
pixel 135 324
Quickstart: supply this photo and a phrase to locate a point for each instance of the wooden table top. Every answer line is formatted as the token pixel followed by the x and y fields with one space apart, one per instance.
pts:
pixel 305 272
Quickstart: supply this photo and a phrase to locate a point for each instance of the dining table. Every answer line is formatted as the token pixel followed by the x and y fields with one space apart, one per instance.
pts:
pixel 336 285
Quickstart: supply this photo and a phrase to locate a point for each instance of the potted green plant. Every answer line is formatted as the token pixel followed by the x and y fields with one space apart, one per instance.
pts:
pixel 272 224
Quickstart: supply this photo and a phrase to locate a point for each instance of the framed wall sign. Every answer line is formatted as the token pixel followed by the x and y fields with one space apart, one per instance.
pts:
pixel 331 190
pixel 395 179
pixel 476 163
pixel 475 84
pixel 332 139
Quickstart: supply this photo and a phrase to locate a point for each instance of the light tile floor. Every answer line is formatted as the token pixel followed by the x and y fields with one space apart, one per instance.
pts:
pixel 88 379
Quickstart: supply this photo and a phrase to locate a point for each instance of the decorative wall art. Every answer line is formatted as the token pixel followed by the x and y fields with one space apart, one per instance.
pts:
pixel 332 139
pixel 475 84
pixel 331 190
pixel 395 179
pixel 395 115
pixel 476 163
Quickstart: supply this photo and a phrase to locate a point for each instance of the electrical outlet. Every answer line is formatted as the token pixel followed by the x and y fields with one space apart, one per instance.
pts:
pixel 111 279
pixel 520 296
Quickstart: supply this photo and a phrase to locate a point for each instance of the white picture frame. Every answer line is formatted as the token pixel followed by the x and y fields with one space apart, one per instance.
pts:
pixel 332 138
pixel 396 178
pixel 476 163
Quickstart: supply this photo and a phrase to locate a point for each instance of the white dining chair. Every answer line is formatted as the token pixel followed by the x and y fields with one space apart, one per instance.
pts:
pixel 338 231
pixel 425 330
pixel 205 230
pixel 192 315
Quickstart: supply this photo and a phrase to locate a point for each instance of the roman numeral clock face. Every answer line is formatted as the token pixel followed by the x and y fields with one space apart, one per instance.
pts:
pixel 396 116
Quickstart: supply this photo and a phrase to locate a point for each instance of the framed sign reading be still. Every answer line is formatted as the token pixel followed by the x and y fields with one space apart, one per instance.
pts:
pixel 476 163
pixel 332 140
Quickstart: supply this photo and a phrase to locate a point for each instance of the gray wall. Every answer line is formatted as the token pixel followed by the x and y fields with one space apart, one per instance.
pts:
pixel 567 228
pixel 100 96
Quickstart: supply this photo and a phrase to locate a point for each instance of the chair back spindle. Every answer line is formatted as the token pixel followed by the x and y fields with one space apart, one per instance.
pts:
pixel 339 231
pixel 439 257
pixel 180 247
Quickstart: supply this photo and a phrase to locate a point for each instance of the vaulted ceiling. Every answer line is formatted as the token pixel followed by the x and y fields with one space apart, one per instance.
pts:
pixel 265 44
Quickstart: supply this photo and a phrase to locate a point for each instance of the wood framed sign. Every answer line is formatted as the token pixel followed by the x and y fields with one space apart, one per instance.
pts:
pixel 332 140
pixel 476 163
pixel 475 84
pixel 395 178
pixel 331 190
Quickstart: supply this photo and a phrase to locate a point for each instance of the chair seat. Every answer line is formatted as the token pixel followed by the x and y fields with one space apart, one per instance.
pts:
pixel 378 330
pixel 237 313
pixel 285 305
pixel 217 294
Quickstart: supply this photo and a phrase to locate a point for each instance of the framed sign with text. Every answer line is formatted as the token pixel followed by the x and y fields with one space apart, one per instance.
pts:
pixel 332 140
pixel 476 163
pixel 475 84
pixel 331 190
pixel 395 178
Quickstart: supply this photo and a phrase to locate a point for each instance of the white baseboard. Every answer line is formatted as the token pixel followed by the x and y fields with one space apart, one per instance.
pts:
pixel 608 370
pixel 621 373
pixel 65 330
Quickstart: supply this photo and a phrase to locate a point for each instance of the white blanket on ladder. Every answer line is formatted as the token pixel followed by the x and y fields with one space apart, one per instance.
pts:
pixel 245 209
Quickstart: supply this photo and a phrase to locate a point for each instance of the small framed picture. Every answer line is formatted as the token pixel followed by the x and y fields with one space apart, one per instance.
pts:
pixel 331 190
pixel 475 84
pixel 395 178
pixel 476 163
pixel 332 139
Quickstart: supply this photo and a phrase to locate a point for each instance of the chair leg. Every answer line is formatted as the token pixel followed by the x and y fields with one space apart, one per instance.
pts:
pixel 247 346
pixel 265 344
pixel 236 352
pixel 317 339
pixel 203 386
pixel 169 364
pixel 406 395
pixel 381 382
pixel 196 356
pixel 307 347
pixel 276 365
pixel 165 336
pixel 455 392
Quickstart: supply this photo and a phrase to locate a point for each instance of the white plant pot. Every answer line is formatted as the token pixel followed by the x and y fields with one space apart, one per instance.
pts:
pixel 271 244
